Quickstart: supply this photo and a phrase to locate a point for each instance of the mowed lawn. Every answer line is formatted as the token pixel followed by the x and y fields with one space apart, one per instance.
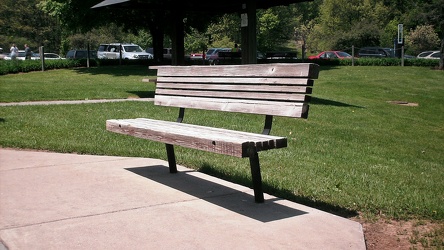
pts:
pixel 372 145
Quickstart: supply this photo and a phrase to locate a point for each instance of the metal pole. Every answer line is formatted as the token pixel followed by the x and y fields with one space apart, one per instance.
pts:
pixel 88 55
pixel 120 54
pixel 402 56
pixel 353 55
pixel 42 57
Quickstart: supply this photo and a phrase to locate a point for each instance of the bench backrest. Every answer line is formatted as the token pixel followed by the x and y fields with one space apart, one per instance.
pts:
pixel 280 89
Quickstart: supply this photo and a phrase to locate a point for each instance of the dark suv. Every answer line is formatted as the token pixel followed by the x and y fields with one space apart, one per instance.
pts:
pixel 374 52
pixel 78 54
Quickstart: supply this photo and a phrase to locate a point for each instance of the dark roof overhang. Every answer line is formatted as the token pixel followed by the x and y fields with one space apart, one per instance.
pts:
pixel 219 6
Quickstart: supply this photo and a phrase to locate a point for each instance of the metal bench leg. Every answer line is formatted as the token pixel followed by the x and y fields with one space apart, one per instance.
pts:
pixel 256 176
pixel 171 158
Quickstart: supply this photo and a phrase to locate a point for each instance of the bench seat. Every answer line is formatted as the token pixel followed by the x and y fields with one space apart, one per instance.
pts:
pixel 216 140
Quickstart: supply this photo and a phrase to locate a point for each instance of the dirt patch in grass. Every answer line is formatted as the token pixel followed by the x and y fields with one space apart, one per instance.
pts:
pixel 414 234
pixel 404 103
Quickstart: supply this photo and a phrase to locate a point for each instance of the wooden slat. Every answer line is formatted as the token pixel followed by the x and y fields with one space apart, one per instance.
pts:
pixel 289 109
pixel 237 80
pixel 234 94
pixel 295 70
pixel 217 140
pixel 238 87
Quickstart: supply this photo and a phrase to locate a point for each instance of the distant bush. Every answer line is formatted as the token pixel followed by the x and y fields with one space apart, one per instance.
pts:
pixel 18 66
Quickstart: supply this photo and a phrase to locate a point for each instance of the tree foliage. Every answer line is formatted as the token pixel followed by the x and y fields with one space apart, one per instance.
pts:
pixel 318 25
pixel 423 37
pixel 275 27
pixel 22 22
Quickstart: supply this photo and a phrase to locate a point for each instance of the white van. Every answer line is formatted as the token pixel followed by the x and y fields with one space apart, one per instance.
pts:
pixel 128 50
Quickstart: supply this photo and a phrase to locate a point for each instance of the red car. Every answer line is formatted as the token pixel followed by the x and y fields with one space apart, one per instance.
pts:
pixel 331 55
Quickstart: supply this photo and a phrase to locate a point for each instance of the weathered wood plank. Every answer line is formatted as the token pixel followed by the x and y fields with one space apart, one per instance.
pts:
pixel 234 94
pixel 301 70
pixel 215 140
pixel 238 80
pixel 289 109
pixel 238 87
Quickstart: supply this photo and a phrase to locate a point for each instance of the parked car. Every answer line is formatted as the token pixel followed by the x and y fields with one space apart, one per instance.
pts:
pixel 52 56
pixel 167 52
pixel 390 52
pixel 102 50
pixel 331 55
pixel 212 55
pixel 429 55
pixel 376 52
pixel 79 54
pixel 196 56
pixel 129 51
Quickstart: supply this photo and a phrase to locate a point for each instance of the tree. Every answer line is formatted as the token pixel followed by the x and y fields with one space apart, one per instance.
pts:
pixel 21 22
pixel 342 23
pixel 301 33
pixel 195 41
pixel 225 32
pixel 427 12
pixel 275 27
pixel 305 14
pixel 422 38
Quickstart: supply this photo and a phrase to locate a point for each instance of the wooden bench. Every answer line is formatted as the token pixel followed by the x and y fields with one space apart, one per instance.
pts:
pixel 264 89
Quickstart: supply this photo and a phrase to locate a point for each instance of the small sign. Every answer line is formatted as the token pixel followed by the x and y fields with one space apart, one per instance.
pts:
pixel 400 34
pixel 244 20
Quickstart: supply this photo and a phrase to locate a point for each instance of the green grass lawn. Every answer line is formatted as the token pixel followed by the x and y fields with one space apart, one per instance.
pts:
pixel 356 153
pixel 77 84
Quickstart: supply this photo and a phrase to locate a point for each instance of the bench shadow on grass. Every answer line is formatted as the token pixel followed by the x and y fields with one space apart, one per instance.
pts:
pixel 283 194
pixel 218 194
pixel 142 94
pixel 321 101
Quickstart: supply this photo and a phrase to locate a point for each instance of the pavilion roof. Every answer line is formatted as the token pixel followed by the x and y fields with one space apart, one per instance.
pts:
pixel 216 6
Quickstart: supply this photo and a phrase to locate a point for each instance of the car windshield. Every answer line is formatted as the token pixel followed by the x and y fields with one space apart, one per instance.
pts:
pixel 133 48
pixel 210 51
pixel 423 54
pixel 436 55
pixel 343 54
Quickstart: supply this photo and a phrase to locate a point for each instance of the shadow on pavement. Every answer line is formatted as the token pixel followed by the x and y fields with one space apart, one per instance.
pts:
pixel 220 195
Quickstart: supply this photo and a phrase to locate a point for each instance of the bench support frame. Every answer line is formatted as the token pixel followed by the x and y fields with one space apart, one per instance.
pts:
pixel 253 156
pixel 256 175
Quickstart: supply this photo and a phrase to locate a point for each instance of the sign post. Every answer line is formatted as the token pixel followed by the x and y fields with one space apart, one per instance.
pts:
pixel 400 43
pixel 400 33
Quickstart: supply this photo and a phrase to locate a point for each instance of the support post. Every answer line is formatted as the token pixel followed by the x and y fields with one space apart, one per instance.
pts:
pixel 248 32
pixel 256 175
pixel 178 50
pixel 171 158
pixel 267 125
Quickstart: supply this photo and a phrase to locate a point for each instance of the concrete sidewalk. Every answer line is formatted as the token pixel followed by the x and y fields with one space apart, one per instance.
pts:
pixel 69 201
